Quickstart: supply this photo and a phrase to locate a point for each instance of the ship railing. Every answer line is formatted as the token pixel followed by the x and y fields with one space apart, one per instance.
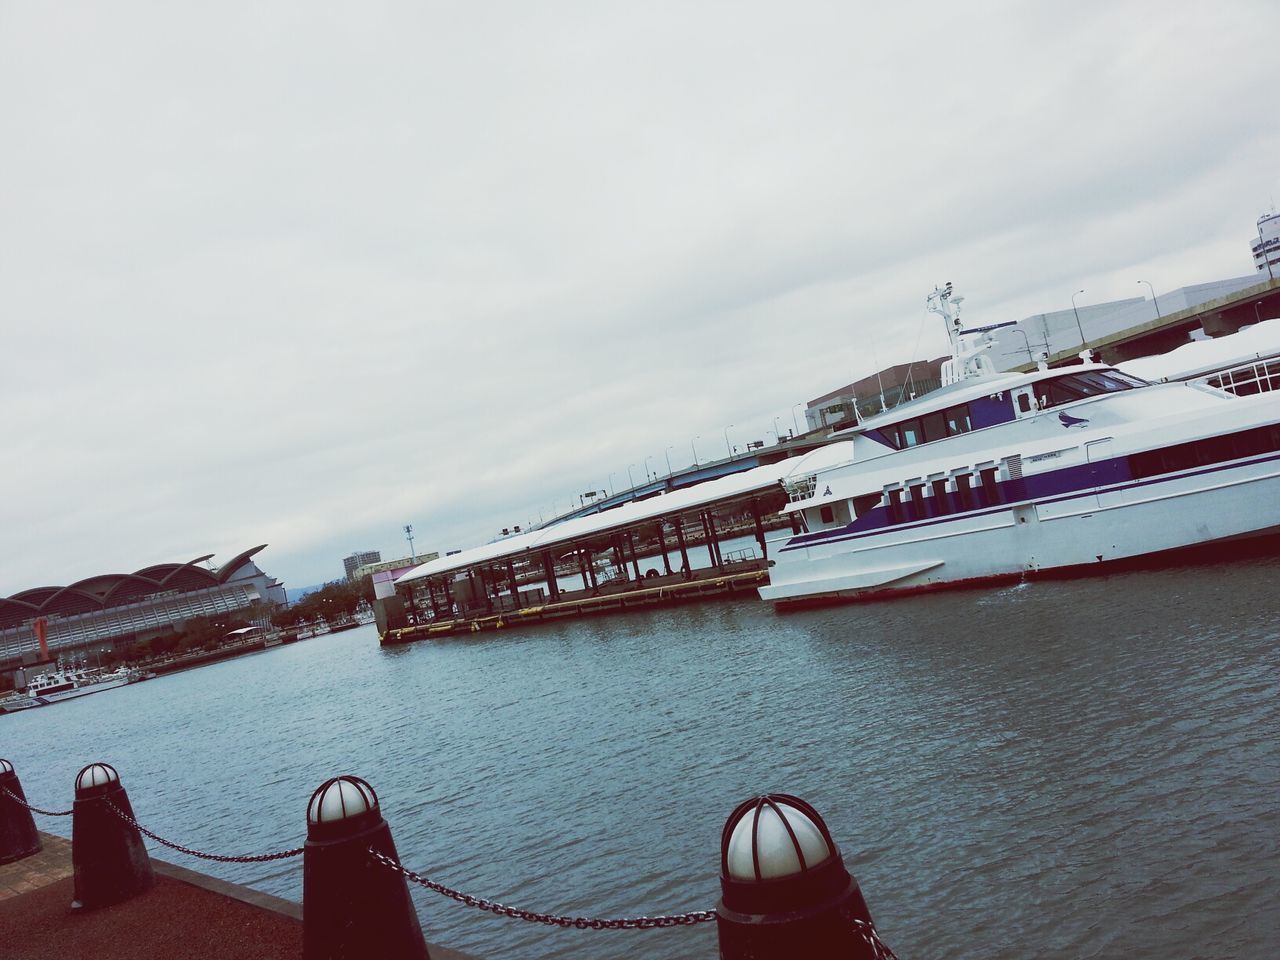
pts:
pixel 1258 376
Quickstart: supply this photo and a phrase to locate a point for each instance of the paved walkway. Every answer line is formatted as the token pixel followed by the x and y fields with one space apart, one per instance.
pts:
pixel 185 915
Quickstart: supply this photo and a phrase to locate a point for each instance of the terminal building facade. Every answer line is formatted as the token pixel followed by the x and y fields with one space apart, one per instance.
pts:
pixel 116 609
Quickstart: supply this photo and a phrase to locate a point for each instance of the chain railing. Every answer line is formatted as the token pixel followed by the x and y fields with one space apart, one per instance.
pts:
pixel 219 857
pixel 879 949
pixel 580 923
pixel 47 813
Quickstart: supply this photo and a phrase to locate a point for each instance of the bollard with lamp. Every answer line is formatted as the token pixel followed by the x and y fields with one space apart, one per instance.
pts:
pixel 18 835
pixel 785 890
pixel 109 860
pixel 351 906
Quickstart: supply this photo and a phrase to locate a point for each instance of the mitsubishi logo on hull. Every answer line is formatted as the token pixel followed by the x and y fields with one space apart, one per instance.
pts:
pixel 1069 421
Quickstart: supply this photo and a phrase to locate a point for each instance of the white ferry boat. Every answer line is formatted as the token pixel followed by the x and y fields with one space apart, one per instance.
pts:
pixel 998 476
pixel 67 684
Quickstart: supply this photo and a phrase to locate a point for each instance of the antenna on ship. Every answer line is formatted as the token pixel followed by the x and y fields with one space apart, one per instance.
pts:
pixel 966 361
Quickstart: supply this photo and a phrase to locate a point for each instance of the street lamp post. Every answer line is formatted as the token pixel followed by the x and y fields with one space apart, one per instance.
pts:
pixel 1030 356
pixel 1083 342
pixel 646 467
pixel 1153 296
pixel 667 453
pixel 695 449
pixel 611 484
pixel 776 432
pixel 728 449
pixel 794 422
pixel 630 479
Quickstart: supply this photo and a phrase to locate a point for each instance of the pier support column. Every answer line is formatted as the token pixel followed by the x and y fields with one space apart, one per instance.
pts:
pixel 755 515
pixel 709 531
pixel 431 595
pixel 448 594
pixel 715 537
pixel 582 565
pixel 785 890
pixel 684 549
pixel 635 561
pixel 549 571
pixel 619 556
pixel 591 570
pixel 515 590
pixel 661 528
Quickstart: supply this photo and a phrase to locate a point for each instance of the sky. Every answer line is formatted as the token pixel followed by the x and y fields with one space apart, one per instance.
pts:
pixel 302 273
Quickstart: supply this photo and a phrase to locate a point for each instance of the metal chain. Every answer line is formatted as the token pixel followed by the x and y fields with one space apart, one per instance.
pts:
pixel 580 923
pixel 221 858
pixel 48 813
pixel 879 949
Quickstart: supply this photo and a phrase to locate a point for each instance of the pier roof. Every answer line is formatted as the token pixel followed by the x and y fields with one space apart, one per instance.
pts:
pixel 727 489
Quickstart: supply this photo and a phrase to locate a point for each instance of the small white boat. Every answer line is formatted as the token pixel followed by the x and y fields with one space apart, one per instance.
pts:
pixel 67 684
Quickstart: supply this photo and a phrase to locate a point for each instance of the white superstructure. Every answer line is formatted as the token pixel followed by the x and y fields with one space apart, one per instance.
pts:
pixel 1000 475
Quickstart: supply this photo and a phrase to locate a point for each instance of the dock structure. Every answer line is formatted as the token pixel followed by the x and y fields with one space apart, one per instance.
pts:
pixel 664 549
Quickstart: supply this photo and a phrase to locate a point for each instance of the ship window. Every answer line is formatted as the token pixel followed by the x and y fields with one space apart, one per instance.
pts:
pixel 891 434
pixel 895 504
pixel 934 426
pixel 827 514
pixel 910 433
pixel 958 420
pixel 917 499
pixel 1200 453
pixel 964 490
pixel 1024 403
pixel 866 502
pixel 941 502
pixel 988 479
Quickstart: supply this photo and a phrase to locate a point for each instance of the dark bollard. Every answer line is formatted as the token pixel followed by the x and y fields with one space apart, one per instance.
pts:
pixel 352 906
pixel 785 890
pixel 110 862
pixel 18 835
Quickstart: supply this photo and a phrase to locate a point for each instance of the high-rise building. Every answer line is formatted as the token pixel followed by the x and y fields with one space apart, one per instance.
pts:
pixel 359 559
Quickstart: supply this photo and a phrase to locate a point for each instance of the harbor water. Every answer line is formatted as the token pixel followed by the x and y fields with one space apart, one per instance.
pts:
pixel 1082 768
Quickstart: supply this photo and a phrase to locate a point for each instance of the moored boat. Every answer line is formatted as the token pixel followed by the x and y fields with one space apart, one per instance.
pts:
pixel 999 476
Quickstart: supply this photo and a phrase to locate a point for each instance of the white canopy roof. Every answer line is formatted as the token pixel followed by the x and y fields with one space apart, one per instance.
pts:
pixel 1205 356
pixel 580 528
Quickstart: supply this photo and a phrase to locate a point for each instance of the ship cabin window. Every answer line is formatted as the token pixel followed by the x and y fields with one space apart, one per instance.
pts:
pixel 1201 453
pixel 964 490
pixel 941 501
pixel 829 514
pixel 1078 386
pixel 917 500
pixel 957 420
pixel 894 495
pixel 866 503
pixel 1024 403
pixel 929 427
pixel 987 477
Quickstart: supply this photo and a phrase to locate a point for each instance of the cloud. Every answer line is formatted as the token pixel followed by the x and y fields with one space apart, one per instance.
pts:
pixel 307 273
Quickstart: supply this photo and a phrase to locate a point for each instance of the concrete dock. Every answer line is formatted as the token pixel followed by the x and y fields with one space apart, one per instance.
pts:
pixel 186 914
pixel 740 581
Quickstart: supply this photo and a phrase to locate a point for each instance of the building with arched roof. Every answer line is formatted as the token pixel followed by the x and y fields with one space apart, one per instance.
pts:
pixel 113 609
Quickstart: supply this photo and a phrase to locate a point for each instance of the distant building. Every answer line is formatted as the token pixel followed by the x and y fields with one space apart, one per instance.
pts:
pixel 1266 249
pixel 115 609
pixel 880 391
pixel 359 559
pixel 404 563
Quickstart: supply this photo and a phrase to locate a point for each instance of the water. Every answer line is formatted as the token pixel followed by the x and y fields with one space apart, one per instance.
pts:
pixel 1067 769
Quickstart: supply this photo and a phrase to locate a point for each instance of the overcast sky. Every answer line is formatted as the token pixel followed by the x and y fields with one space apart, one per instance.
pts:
pixel 301 273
